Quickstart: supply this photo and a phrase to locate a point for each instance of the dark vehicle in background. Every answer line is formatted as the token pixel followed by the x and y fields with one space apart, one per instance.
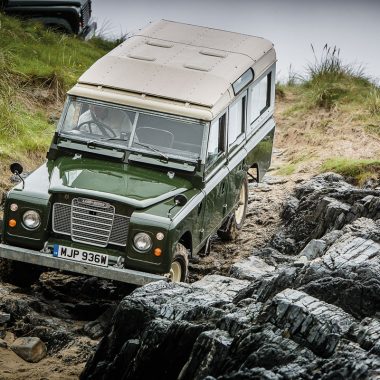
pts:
pixel 68 16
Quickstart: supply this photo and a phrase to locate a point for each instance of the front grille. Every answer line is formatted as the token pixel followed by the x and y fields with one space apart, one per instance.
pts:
pixel 86 222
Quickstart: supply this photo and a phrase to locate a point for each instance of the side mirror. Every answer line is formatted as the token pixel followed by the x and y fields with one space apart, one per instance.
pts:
pixel 16 168
pixel 180 200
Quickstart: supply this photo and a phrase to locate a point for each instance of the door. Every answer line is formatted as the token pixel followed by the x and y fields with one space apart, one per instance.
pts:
pixel 216 177
pixel 237 167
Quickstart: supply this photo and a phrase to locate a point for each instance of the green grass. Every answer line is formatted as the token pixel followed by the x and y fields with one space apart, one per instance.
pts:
pixel 287 169
pixel 373 101
pixel 35 60
pixel 37 53
pixel 358 170
pixel 373 129
pixel 330 82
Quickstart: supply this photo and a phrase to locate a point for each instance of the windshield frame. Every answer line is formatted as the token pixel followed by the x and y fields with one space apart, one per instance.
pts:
pixel 112 144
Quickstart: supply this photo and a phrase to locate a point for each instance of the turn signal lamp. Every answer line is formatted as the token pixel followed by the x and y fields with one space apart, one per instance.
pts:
pixel 12 223
pixel 157 252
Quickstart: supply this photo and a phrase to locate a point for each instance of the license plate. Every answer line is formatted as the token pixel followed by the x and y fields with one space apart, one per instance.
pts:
pixel 80 255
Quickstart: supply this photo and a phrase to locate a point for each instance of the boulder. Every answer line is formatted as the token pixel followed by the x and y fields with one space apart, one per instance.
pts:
pixel 31 349
pixel 314 249
pixel 252 268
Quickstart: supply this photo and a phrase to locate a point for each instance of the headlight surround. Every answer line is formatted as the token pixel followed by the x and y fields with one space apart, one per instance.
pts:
pixel 31 219
pixel 142 242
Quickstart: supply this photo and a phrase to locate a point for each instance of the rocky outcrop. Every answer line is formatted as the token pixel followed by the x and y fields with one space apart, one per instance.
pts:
pixel 324 204
pixel 313 317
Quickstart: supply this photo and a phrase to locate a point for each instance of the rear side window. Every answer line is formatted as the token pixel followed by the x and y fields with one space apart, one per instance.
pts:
pixel 259 98
pixel 236 120
pixel 217 138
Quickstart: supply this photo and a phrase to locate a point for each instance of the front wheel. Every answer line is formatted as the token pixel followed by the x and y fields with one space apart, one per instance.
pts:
pixel 179 270
pixel 235 221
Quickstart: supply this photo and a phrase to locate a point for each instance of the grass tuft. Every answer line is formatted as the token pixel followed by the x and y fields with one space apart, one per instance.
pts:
pixel 330 82
pixel 373 101
pixel 358 170
pixel 287 169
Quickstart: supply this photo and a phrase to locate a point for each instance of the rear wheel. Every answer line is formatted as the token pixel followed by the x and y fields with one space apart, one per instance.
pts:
pixel 235 221
pixel 19 274
pixel 179 268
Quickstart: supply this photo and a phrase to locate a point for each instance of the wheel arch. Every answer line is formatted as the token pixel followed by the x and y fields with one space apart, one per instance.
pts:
pixel 257 174
pixel 187 241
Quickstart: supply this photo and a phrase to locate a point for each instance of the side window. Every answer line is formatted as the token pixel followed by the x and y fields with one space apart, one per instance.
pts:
pixel 216 141
pixel 236 120
pixel 259 96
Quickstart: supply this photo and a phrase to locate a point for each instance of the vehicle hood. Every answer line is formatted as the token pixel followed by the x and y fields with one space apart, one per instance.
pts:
pixel 137 186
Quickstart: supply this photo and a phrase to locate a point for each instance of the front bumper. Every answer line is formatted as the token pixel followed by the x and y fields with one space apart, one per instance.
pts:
pixel 47 260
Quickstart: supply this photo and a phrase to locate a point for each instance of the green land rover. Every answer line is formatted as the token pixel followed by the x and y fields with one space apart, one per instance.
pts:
pixel 150 158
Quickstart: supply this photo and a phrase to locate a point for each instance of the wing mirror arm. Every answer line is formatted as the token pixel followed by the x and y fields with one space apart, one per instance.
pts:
pixel 179 200
pixel 17 169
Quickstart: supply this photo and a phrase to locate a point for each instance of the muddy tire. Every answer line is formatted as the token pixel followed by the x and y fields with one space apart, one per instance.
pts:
pixel 19 274
pixel 179 269
pixel 230 229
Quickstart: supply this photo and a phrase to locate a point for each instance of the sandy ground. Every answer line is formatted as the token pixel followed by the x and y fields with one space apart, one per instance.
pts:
pixel 68 364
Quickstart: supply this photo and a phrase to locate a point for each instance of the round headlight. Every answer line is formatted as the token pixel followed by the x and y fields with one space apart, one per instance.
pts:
pixel 142 241
pixel 31 219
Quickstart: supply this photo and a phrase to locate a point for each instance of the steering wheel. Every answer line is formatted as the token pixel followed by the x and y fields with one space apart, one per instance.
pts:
pixel 103 128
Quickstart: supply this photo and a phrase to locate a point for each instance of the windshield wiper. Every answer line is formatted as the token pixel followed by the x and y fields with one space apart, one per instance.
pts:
pixel 137 143
pixel 153 149
pixel 114 139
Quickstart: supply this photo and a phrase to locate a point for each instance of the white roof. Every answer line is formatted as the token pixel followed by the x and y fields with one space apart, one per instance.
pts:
pixel 181 62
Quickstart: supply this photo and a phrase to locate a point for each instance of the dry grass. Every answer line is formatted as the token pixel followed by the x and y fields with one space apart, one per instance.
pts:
pixel 332 112
pixel 313 136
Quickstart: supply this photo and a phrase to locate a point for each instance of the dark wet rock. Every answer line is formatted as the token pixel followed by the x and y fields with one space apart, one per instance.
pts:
pixel 315 324
pixel 4 318
pixel 290 208
pixel 209 353
pixel 272 257
pixel 96 329
pixel 251 269
pixel 177 331
pixel 315 248
pixel 321 205
pixel 367 334
pixel 347 275
pixel 319 320
pixel 3 343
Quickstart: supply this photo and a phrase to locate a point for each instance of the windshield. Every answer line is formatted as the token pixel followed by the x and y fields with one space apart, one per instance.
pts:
pixel 134 129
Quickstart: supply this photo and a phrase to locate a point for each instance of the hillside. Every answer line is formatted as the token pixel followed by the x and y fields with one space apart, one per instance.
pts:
pixel 37 67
